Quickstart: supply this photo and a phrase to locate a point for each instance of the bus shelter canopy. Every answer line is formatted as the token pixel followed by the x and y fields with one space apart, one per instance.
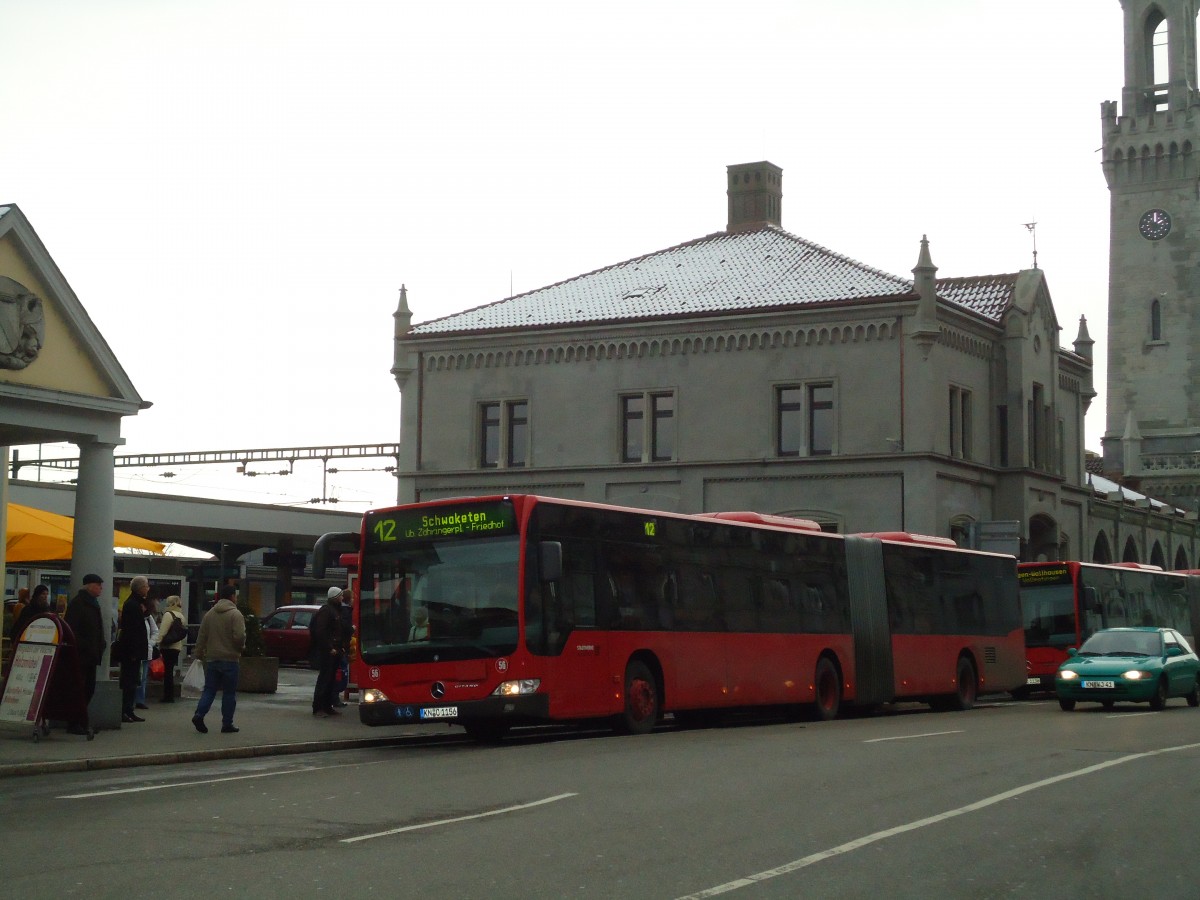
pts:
pixel 35 535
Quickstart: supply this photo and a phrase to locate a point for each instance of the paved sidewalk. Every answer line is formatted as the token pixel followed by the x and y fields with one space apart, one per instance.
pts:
pixel 270 724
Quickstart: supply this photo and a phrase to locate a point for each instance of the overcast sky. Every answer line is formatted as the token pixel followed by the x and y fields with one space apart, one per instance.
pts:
pixel 237 190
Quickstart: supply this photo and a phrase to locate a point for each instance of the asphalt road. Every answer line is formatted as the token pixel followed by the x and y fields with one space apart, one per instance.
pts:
pixel 1008 800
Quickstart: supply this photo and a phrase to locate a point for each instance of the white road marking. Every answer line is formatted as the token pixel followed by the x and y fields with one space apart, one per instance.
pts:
pixel 494 812
pixel 909 737
pixel 1130 715
pixel 175 784
pixel 806 861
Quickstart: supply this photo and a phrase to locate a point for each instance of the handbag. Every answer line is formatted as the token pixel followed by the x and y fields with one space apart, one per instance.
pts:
pixel 157 668
pixel 176 633
pixel 193 680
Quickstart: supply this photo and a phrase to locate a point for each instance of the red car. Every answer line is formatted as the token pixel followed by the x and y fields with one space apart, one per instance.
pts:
pixel 285 632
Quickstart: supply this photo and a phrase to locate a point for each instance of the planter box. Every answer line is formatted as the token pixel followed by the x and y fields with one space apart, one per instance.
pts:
pixel 258 674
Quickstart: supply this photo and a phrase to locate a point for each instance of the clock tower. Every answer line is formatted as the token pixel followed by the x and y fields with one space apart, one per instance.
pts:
pixel 1152 165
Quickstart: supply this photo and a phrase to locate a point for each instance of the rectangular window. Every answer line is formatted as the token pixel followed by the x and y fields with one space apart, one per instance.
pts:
pixel 1002 433
pixel 633 414
pixel 489 435
pixel 648 427
pixel 960 423
pixel 789 420
pixel 518 433
pixel 662 432
pixel 820 419
pixel 503 434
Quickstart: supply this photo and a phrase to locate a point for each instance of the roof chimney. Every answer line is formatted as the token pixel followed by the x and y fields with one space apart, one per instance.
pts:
pixel 755 196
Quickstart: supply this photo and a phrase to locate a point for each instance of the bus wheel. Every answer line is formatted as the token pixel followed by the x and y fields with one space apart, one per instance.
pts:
pixel 486 732
pixel 1159 700
pixel 968 686
pixel 641 700
pixel 828 688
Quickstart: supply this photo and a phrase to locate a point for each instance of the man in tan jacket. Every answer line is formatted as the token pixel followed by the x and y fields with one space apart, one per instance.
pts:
pixel 220 643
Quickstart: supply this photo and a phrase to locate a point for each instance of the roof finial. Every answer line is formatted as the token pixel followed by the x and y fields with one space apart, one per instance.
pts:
pixel 1031 227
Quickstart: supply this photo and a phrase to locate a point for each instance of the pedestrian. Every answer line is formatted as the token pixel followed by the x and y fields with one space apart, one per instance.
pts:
pixel 172 635
pixel 18 608
pixel 326 630
pixel 220 643
pixel 87 623
pixel 149 607
pixel 30 610
pixel 341 683
pixel 134 637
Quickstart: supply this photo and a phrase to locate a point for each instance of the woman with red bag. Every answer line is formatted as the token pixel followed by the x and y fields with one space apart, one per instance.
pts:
pixel 173 629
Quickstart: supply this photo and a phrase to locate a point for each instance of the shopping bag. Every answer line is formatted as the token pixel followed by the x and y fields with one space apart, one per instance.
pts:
pixel 157 668
pixel 193 681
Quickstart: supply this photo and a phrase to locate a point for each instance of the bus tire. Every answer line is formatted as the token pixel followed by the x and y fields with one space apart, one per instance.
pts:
pixel 641 700
pixel 828 687
pixel 968 685
pixel 1159 700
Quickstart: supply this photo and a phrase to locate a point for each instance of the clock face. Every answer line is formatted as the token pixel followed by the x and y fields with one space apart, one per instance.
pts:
pixel 1155 225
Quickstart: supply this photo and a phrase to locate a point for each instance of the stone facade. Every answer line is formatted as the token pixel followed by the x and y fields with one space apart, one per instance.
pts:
pixel 1152 431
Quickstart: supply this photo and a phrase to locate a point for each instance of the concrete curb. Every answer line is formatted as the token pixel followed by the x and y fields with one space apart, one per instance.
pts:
pixel 52 767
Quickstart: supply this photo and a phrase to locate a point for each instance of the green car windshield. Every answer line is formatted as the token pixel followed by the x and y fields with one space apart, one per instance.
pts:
pixel 1123 643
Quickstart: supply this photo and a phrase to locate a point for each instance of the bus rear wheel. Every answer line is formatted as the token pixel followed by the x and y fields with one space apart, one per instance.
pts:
pixel 828 686
pixel 641 700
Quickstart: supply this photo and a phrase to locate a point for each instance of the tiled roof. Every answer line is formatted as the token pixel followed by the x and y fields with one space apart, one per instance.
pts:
pixel 724 272
pixel 988 295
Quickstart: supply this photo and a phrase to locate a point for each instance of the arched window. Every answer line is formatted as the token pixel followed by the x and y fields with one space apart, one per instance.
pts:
pixel 1181 561
pixel 1157 58
pixel 1101 552
pixel 1130 553
pixel 1156 321
pixel 1157 557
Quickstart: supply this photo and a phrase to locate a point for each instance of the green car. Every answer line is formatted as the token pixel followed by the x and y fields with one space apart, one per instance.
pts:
pixel 1129 665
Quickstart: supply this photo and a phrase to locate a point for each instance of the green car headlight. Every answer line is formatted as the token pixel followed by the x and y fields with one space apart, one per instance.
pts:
pixel 1135 675
pixel 1068 675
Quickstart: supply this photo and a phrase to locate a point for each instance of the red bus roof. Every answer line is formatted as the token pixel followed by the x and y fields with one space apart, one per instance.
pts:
pixel 754 518
pixel 928 540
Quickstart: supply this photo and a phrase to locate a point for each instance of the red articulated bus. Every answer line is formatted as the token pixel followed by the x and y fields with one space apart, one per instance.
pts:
pixel 1063 603
pixel 498 611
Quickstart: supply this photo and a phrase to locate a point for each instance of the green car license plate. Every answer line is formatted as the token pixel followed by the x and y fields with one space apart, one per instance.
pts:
pixel 1108 685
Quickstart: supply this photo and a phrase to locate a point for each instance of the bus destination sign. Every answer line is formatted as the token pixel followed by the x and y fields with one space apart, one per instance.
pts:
pixel 462 520
pixel 1044 575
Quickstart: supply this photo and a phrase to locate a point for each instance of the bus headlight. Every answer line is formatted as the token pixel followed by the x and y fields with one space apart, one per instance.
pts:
pixel 514 688
pixel 373 695
pixel 1068 675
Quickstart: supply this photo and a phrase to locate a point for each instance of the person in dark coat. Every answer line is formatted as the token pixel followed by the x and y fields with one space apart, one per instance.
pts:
pixel 135 646
pixel 324 652
pixel 87 624
pixel 341 681
pixel 38 605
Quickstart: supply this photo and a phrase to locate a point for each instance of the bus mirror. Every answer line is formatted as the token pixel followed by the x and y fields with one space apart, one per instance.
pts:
pixel 550 557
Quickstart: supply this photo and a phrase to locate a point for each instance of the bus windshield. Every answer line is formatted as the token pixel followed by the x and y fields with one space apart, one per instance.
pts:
pixel 439 600
pixel 1049 611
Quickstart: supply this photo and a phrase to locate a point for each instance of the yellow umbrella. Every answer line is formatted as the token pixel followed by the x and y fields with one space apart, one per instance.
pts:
pixel 35 535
